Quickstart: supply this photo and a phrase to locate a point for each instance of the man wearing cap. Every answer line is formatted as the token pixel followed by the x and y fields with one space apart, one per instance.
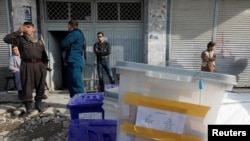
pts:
pixel 34 61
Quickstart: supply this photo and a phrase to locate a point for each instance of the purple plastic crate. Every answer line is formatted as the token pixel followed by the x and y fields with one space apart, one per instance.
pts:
pixel 86 103
pixel 86 99
pixel 110 86
pixel 92 130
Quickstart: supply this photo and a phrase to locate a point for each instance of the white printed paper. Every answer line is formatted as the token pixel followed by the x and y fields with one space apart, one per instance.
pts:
pixel 160 119
pixel 90 115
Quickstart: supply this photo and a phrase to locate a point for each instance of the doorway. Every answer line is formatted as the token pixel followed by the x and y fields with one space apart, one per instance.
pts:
pixel 58 73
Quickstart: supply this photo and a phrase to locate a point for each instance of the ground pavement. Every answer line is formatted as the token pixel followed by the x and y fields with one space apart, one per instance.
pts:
pixel 57 99
pixel 235 109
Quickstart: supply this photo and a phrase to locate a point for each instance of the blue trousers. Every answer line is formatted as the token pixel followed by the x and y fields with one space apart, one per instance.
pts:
pixel 104 66
pixel 18 80
pixel 74 79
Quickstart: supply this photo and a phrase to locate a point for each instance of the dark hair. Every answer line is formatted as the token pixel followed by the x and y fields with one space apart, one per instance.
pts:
pixel 28 23
pixel 210 44
pixel 12 46
pixel 100 33
pixel 73 23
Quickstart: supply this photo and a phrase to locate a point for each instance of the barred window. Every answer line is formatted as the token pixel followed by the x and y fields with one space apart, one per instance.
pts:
pixel 130 11
pixel 68 10
pixel 107 11
pixel 80 10
pixel 124 11
pixel 57 11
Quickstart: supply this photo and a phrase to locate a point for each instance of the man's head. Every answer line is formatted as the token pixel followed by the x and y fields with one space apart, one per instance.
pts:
pixel 100 36
pixel 72 25
pixel 29 29
pixel 15 50
pixel 211 46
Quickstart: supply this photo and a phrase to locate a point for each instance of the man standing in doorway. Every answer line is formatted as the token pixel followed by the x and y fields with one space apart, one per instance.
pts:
pixel 74 44
pixel 102 50
pixel 34 61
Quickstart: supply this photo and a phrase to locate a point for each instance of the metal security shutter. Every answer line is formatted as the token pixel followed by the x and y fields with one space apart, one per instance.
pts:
pixel 120 20
pixel 233 39
pixel 191 30
pixel 4 49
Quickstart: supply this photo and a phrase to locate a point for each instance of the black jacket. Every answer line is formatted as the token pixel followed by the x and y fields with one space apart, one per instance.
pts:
pixel 27 49
pixel 102 51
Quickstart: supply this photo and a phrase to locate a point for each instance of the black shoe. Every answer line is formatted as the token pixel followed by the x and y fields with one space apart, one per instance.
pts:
pixel 38 105
pixel 20 96
pixel 28 106
pixel 44 97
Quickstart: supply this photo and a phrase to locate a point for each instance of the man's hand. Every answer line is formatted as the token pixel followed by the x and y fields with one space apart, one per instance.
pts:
pixel 21 29
pixel 15 69
pixel 49 69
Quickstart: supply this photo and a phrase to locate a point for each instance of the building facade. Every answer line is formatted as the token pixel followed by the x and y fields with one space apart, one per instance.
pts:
pixel 159 32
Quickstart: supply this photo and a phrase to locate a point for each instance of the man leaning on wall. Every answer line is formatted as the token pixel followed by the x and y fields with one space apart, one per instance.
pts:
pixel 14 67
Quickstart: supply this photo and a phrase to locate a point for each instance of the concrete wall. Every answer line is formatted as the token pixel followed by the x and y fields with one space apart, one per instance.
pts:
pixel 157 22
pixel 156 11
pixel 23 10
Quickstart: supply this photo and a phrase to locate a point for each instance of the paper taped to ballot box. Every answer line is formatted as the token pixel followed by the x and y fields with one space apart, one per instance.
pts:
pixel 160 119
pixel 157 118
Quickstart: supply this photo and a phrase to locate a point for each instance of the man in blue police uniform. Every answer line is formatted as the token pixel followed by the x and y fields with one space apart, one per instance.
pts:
pixel 74 44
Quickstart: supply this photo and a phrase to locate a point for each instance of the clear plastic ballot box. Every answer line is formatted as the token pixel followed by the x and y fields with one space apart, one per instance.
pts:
pixel 163 103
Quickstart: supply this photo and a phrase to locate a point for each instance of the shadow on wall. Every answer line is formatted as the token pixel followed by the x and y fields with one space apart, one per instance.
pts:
pixel 175 64
pixel 237 66
pixel 206 8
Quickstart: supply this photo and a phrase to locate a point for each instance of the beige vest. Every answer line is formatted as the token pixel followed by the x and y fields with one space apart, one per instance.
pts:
pixel 210 55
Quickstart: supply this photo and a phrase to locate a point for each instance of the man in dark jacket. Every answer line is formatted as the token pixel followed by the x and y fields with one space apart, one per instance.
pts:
pixel 34 61
pixel 102 50
pixel 74 44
